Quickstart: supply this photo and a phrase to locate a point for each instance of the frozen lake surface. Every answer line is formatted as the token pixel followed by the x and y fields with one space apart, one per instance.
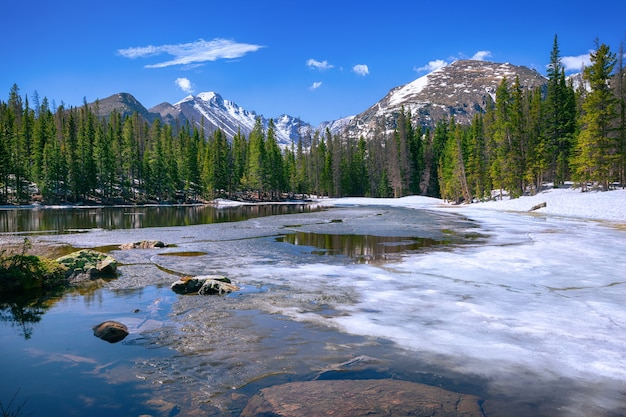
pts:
pixel 526 311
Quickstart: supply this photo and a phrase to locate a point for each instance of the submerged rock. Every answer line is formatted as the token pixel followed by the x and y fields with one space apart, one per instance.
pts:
pixel 88 264
pixel 143 244
pixel 353 398
pixel 111 331
pixel 204 285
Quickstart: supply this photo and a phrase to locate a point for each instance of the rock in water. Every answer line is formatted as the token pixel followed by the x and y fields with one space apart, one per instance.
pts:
pixel 88 264
pixel 204 285
pixel 143 244
pixel 354 398
pixel 111 331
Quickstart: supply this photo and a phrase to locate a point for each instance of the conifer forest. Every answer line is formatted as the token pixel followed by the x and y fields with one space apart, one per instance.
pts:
pixel 524 139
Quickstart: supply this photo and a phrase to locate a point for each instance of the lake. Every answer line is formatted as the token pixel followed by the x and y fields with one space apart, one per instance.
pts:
pixel 467 303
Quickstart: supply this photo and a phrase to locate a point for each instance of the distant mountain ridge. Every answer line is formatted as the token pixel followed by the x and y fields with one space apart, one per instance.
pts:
pixel 460 90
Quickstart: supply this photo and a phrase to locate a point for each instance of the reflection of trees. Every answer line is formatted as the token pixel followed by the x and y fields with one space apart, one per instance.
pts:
pixel 363 247
pixel 110 218
pixel 23 312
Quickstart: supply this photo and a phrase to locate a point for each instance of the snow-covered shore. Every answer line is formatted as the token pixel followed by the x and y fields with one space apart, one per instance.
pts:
pixel 609 206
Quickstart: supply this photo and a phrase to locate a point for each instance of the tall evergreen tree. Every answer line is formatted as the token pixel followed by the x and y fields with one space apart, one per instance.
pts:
pixel 559 119
pixel 596 148
pixel 273 170
pixel 253 177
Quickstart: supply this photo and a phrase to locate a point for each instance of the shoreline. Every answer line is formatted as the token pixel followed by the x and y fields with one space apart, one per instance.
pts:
pixel 603 206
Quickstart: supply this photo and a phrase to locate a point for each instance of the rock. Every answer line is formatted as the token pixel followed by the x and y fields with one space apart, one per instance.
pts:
pixel 213 286
pixel 143 244
pixel 204 285
pixel 538 206
pixel 111 331
pixel 88 264
pixel 373 397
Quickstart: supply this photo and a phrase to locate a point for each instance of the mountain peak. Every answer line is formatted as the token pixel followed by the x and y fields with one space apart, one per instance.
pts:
pixel 460 90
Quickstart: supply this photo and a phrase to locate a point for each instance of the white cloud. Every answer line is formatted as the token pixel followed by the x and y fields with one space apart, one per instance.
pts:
pixel 481 55
pixel 192 52
pixel 576 63
pixel 323 65
pixel 361 69
pixel 432 65
pixel 315 85
pixel 440 63
pixel 184 84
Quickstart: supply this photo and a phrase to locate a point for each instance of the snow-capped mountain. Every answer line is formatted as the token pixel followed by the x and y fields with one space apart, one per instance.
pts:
pixel 212 111
pixel 460 89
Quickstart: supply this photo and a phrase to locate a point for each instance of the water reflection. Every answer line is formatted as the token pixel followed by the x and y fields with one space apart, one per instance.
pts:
pixel 362 248
pixel 75 219
pixel 24 311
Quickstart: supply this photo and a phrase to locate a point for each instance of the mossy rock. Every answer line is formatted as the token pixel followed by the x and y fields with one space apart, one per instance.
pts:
pixel 87 264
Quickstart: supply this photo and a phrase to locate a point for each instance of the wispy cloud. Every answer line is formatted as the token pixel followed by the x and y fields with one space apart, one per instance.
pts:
pixel 440 63
pixel 361 69
pixel 481 55
pixel 184 84
pixel 192 52
pixel 432 65
pixel 315 85
pixel 319 65
pixel 576 63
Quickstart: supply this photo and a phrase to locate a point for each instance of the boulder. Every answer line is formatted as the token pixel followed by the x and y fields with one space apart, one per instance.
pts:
pixel 143 244
pixel 111 331
pixel 204 285
pixel 87 264
pixel 353 398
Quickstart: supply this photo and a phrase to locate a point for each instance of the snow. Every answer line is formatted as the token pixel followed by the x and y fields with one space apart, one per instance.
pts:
pixel 564 202
pixel 567 202
pixel 408 90
pixel 540 305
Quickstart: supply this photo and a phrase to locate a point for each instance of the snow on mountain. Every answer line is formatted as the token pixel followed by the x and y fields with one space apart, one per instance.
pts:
pixel 336 126
pixel 458 90
pixel 211 110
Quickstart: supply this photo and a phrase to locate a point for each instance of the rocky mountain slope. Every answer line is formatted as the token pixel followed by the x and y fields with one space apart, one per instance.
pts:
pixel 460 89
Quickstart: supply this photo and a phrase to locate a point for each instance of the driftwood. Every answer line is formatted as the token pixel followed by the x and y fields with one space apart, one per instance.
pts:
pixel 538 206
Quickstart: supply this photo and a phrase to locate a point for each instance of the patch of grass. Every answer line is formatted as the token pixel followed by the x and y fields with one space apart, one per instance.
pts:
pixel 20 271
pixel 13 409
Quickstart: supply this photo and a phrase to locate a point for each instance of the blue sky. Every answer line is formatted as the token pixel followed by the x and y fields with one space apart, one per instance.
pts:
pixel 317 60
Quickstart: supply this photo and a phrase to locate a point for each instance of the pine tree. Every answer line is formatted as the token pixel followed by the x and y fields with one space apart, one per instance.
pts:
pixel 596 148
pixel 239 156
pixel 253 177
pixel 273 170
pixel 536 164
pixel 559 119
pixel 477 162
pixel 452 173
pixel 619 83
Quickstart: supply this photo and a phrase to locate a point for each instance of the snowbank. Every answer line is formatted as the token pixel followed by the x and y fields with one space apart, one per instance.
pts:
pixel 607 206
pixel 567 202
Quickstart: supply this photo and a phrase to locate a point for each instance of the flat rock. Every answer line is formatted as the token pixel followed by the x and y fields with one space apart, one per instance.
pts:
pixel 354 398
pixel 143 244
pixel 111 331
pixel 204 285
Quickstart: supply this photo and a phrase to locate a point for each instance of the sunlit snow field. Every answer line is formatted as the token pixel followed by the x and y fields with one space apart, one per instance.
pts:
pixel 539 308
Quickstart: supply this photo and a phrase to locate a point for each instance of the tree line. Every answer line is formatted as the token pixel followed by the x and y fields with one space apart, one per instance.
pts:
pixel 525 138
